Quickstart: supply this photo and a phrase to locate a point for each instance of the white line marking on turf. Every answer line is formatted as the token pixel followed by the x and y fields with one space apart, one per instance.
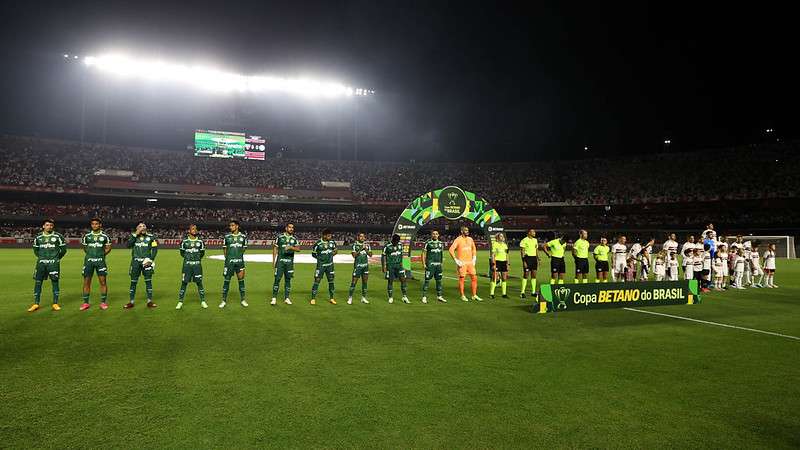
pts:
pixel 714 323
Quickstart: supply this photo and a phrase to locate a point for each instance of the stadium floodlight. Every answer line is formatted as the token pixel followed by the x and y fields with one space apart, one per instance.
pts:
pixel 219 81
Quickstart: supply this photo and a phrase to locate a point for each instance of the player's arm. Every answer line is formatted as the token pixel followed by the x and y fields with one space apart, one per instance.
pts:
pixel 547 251
pixel 594 253
pixel 182 250
pixel 383 260
pixel 492 257
pixel 522 258
pixel 203 249
pixel 335 251
pixel 244 244
pixel 153 249
pixel 572 250
pixel 225 247
pixel 83 243
pixel 314 251
pixel 275 251
pixel 62 247
pixel 474 252
pixel 131 240
pixel 452 250
pixel 36 246
pixel 425 256
pixel 369 251
pixel 107 248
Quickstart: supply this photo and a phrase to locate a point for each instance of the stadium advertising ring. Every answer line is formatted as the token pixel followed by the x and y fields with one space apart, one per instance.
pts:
pixel 452 202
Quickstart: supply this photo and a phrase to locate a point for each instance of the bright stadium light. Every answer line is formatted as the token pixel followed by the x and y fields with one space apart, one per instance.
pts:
pixel 219 81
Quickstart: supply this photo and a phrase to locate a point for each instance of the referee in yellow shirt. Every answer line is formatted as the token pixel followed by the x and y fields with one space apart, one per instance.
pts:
pixel 601 260
pixel 529 252
pixel 555 249
pixel 580 252
pixel 500 265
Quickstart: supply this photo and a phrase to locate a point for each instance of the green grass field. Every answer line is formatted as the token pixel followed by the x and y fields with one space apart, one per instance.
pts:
pixel 460 375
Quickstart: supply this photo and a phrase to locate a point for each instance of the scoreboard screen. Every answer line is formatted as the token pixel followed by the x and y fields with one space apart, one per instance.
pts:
pixel 229 144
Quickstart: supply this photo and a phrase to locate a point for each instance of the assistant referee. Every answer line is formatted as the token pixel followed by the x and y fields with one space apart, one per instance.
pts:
pixel 555 249
pixel 580 252
pixel 529 252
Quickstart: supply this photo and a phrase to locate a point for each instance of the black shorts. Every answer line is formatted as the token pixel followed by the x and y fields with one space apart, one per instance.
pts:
pixel 581 266
pixel 531 262
pixel 501 266
pixel 557 265
pixel 601 266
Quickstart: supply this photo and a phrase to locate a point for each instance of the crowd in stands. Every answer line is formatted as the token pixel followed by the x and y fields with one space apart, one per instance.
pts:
pixel 755 172
pixel 271 217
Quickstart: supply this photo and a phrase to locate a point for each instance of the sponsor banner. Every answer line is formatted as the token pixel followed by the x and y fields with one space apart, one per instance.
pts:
pixel 569 297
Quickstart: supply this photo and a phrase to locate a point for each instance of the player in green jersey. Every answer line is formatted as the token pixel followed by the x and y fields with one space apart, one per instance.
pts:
pixel 432 262
pixel 286 245
pixel 234 245
pixel 529 252
pixel 580 253
pixel 323 251
pixel 555 249
pixel 192 250
pixel 96 245
pixel 361 253
pixel 500 265
pixel 392 265
pixel 49 247
pixel 601 260
pixel 144 248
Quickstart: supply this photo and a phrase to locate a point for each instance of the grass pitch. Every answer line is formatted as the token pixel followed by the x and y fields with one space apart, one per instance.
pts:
pixel 460 375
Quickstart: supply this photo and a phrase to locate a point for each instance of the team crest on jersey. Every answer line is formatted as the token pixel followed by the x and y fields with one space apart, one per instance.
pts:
pixel 197 244
pixel 52 239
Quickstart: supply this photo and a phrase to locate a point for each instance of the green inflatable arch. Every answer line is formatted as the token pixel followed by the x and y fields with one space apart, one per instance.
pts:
pixel 451 203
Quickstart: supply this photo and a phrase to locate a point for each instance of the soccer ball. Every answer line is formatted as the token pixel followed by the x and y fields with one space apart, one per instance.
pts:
pixel 147 262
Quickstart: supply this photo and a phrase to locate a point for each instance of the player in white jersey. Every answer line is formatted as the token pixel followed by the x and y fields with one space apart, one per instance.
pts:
pixel 755 267
pixel 697 265
pixel 660 265
pixel 706 254
pixel 672 265
pixel 686 251
pixel 769 266
pixel 719 276
pixel 619 252
pixel 722 254
pixel 645 263
pixel 738 268
pixel 670 246
pixel 748 274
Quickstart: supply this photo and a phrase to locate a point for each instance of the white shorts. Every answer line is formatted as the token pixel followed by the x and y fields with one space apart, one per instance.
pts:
pixel 620 266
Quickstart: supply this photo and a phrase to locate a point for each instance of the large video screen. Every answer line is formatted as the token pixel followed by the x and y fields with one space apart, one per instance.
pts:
pixel 228 144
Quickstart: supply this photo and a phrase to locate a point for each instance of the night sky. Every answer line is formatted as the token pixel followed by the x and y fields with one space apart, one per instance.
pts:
pixel 484 81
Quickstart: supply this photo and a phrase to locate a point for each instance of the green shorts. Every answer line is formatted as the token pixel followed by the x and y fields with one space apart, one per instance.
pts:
pixel 192 272
pixel 324 270
pixel 47 269
pixel 360 271
pixel 433 272
pixel 92 265
pixel 393 273
pixel 232 267
pixel 284 269
pixel 137 269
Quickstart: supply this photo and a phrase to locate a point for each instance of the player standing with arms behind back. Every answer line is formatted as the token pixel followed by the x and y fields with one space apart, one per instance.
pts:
pixel 580 253
pixel 361 254
pixel 192 250
pixel 601 260
pixel 555 249
pixel 96 245
pixel 620 253
pixel 324 251
pixel 144 248
pixel 529 252
pixel 392 265
pixel 500 265
pixel 432 262
pixel 283 251
pixel 49 247
pixel 769 266
pixel 464 253
pixel 233 246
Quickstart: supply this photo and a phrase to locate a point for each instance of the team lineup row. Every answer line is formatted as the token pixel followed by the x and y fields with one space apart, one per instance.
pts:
pixel 698 262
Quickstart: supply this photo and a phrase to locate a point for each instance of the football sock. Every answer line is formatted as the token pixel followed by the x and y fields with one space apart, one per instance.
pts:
pixel 585 280
pixel 201 290
pixel 461 285
pixel 404 287
pixel 132 290
pixel 390 288
pixel 37 291
pixel 276 285
pixel 182 291
pixel 85 297
pixel 287 286
pixel 492 286
pixel 363 287
pixel 352 289
pixel 503 286
pixel 552 281
pixel 439 288
pixel 331 289
pixel 314 289
pixel 524 284
pixel 241 289
pixel 474 284
pixel 148 287
pixel 533 286
pixel 56 291
pixel 561 281
pixel 226 285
